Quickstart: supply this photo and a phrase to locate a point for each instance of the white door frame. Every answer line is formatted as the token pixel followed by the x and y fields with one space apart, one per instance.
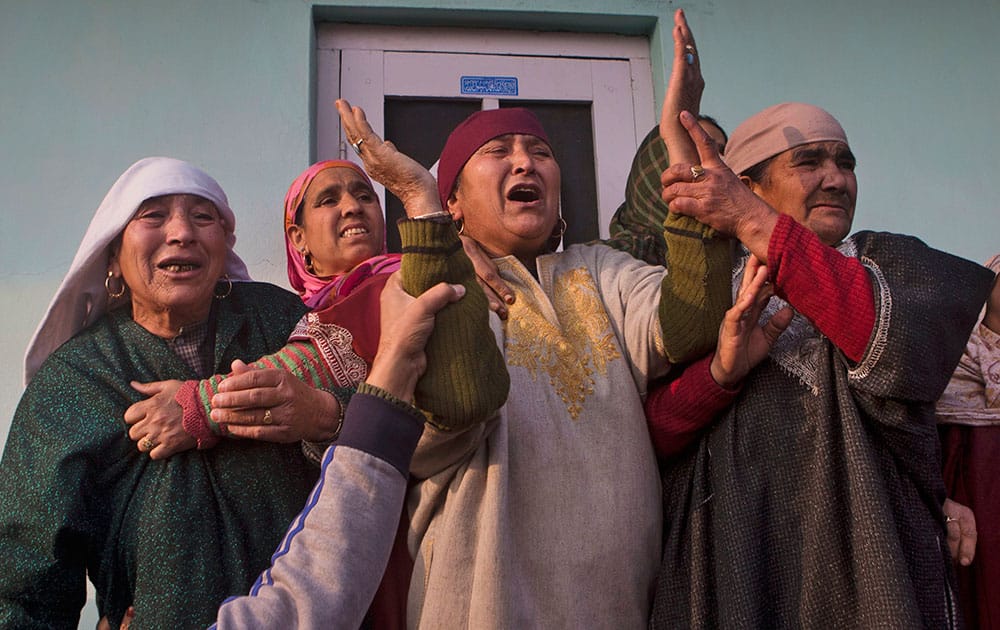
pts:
pixel 612 72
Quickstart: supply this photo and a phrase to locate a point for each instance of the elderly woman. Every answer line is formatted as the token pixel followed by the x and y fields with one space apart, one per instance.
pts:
pixel 335 240
pixel 171 538
pixel 830 428
pixel 548 514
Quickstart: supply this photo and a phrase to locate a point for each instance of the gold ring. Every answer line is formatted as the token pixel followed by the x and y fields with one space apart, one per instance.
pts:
pixel 697 171
pixel 147 444
pixel 267 417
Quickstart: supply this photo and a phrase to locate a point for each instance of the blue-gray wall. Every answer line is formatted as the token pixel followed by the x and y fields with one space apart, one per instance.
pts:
pixel 90 86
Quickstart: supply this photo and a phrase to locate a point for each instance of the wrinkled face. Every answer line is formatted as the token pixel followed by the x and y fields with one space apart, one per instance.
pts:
pixel 508 196
pixel 171 254
pixel 341 224
pixel 815 185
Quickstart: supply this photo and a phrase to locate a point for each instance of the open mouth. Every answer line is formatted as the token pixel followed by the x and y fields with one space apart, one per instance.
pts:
pixel 178 266
pixel 354 231
pixel 524 193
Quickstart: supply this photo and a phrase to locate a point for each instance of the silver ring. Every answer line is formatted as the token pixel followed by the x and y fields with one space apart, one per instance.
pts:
pixel 356 145
pixel 949 519
pixel 267 419
pixel 689 55
pixel 697 171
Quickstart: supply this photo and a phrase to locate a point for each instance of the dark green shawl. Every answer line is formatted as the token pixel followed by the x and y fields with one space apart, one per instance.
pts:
pixel 174 537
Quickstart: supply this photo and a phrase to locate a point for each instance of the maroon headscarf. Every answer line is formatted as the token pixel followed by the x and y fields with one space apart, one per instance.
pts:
pixel 474 132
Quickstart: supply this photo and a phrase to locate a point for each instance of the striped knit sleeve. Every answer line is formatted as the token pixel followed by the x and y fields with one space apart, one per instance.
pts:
pixel 301 358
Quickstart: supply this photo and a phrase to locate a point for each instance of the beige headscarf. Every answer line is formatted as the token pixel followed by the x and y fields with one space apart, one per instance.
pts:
pixel 81 298
pixel 777 129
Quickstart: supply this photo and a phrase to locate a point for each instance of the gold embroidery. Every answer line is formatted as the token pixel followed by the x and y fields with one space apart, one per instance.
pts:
pixel 571 350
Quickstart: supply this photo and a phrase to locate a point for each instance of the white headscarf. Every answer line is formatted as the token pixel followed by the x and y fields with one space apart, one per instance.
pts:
pixel 82 298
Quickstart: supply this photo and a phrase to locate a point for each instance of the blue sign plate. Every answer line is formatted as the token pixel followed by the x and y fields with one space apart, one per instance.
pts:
pixel 493 86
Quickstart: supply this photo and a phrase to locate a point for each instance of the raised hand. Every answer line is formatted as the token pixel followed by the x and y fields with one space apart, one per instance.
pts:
pixel 711 193
pixel 399 173
pixel 742 342
pixel 155 424
pixel 683 93
pixel 274 405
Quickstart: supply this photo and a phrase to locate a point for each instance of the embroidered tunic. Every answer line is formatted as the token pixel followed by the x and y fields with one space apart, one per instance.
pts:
pixel 548 516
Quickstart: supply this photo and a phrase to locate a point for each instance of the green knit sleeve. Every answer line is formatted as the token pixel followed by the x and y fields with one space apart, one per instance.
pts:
pixel 466 379
pixel 696 290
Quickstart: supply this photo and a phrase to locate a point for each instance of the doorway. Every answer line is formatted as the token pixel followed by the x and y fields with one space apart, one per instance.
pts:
pixel 593 94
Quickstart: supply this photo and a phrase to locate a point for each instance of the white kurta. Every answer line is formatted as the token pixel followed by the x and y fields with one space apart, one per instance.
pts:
pixel 549 515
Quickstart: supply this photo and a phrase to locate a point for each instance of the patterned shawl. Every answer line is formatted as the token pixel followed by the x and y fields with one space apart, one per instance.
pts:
pixel 973 394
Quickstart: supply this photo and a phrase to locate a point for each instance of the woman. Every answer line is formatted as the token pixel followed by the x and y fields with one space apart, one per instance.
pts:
pixel 334 241
pixel 968 414
pixel 171 538
pixel 335 236
pixel 547 515
pixel 828 427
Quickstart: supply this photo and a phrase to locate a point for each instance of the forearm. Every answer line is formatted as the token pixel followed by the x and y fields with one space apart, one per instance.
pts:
pixel 328 567
pixel 832 290
pixel 696 291
pixel 466 379
pixel 677 411
pixel 301 358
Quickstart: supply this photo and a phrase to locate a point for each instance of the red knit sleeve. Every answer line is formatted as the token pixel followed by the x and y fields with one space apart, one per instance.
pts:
pixel 832 290
pixel 194 419
pixel 676 411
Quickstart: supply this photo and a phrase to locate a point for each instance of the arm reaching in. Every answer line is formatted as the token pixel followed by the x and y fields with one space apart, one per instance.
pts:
pixel 716 196
pixel 273 400
pixel 326 570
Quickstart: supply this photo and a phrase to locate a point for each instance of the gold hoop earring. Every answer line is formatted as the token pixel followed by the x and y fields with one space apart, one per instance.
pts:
pixel 114 295
pixel 229 288
pixel 459 225
pixel 307 259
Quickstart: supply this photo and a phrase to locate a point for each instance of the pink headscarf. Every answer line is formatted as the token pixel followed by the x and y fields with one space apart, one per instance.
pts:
pixel 315 291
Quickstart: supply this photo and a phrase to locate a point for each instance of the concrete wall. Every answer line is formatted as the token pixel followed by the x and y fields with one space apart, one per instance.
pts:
pixel 89 86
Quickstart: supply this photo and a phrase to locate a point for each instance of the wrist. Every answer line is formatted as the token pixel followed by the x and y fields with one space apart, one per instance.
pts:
pixel 721 377
pixel 390 375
